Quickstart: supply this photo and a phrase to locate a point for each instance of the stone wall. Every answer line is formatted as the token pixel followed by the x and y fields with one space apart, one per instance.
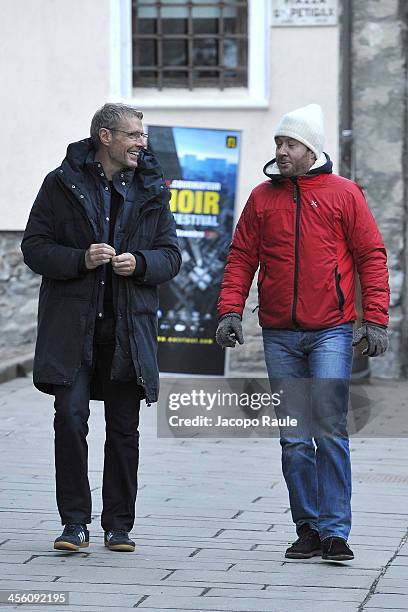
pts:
pixel 403 7
pixel 379 91
pixel 18 295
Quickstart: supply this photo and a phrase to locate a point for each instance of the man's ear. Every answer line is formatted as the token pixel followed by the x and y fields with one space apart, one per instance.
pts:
pixel 105 136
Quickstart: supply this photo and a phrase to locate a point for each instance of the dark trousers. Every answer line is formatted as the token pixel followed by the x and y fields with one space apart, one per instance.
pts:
pixel 122 403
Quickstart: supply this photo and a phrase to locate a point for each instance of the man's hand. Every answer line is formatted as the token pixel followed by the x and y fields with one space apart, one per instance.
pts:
pixel 376 336
pixel 229 330
pixel 98 254
pixel 124 264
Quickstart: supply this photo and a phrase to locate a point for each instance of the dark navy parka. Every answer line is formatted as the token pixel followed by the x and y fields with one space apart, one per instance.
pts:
pixel 64 221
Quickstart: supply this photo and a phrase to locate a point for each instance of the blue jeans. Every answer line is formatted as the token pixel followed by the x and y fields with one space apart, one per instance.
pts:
pixel 316 457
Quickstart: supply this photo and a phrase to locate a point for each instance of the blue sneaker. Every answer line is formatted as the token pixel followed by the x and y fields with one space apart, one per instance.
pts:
pixel 118 539
pixel 74 537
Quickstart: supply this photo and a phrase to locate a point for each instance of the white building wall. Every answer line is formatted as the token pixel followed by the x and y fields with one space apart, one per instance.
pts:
pixel 54 62
pixel 59 61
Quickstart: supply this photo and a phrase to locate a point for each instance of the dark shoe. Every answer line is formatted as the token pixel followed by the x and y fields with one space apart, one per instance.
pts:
pixel 118 539
pixel 74 537
pixel 336 549
pixel 306 546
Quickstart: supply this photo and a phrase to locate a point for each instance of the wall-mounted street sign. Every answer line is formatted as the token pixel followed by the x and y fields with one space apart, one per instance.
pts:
pixel 304 12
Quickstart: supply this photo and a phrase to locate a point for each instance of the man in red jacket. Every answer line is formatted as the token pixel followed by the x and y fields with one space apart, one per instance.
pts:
pixel 307 230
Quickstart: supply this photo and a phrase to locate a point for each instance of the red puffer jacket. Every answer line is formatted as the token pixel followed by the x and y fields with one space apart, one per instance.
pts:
pixel 307 235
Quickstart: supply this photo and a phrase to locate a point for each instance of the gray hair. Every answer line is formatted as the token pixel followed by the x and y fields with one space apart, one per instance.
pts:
pixel 109 116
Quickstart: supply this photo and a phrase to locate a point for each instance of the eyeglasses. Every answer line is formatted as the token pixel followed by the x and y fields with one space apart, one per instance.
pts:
pixel 133 135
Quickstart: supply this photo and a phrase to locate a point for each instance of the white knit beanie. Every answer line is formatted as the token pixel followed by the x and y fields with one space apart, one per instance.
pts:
pixel 305 125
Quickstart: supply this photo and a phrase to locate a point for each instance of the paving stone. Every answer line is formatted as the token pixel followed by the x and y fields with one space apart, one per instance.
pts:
pixel 213 543
pixel 400 560
pixel 114 561
pixel 404 549
pixel 83 573
pixel 74 608
pixel 392 583
pixel 388 601
pixel 399 572
pixel 91 587
pixel 238 604
pixel 298 594
pixel 188 523
pixel 17 578
pixel 237 555
pixel 300 566
pixel 325 577
pixel 396 590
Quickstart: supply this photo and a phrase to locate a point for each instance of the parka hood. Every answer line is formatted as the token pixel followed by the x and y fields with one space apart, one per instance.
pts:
pixel 323 165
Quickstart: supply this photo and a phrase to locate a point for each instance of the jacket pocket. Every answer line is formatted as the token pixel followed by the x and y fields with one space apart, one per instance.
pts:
pixel 73 289
pixel 144 299
pixel 340 294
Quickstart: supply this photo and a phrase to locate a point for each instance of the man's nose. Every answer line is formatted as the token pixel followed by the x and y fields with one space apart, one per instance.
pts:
pixel 282 150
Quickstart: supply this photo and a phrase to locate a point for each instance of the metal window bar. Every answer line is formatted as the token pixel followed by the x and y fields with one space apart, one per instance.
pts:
pixel 159 45
pixel 190 56
pixel 226 76
pixel 221 47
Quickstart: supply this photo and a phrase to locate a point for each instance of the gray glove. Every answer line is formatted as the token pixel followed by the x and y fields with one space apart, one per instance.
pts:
pixel 376 336
pixel 229 330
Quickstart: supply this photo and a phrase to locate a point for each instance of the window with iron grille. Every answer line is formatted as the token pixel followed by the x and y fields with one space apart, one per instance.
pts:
pixel 190 43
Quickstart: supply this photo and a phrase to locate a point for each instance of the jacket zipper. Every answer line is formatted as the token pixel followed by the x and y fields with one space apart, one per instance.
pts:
pixel 296 199
pixel 260 286
pixel 144 210
pixel 340 294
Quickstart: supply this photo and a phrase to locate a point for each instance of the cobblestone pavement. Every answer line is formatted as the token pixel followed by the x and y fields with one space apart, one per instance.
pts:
pixel 212 521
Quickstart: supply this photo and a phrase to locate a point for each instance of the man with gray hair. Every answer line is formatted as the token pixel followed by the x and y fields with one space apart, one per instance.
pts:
pixel 102 236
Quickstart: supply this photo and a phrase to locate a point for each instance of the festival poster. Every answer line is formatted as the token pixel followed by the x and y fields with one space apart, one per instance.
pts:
pixel 201 169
